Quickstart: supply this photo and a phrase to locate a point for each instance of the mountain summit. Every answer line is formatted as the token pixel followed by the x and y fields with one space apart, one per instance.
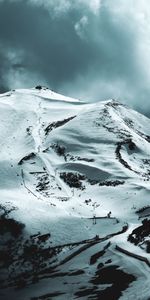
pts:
pixel 74 207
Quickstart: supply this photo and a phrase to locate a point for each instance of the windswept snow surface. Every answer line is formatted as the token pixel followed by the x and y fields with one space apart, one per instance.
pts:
pixel 64 166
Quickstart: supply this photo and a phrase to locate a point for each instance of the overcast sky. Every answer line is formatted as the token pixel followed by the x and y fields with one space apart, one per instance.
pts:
pixel 92 50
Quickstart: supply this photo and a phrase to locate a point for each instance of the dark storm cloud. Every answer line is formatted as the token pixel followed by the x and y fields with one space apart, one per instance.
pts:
pixel 85 50
pixel 50 47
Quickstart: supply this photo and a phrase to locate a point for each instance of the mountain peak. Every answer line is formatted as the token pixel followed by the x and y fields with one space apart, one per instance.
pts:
pixel 74 182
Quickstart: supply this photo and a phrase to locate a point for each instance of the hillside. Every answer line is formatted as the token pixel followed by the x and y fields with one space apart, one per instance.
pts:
pixel 74 187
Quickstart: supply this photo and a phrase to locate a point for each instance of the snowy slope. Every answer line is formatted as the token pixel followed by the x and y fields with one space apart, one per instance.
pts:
pixel 66 165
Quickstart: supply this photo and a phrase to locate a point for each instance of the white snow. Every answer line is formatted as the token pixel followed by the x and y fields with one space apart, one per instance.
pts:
pixel 90 140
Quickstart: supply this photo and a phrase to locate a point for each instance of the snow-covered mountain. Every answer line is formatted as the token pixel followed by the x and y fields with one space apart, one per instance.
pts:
pixel 74 198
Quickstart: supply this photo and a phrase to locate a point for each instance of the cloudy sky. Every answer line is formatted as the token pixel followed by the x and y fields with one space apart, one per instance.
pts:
pixel 92 50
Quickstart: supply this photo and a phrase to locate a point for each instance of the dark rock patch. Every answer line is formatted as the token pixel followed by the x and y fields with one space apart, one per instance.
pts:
pixel 57 124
